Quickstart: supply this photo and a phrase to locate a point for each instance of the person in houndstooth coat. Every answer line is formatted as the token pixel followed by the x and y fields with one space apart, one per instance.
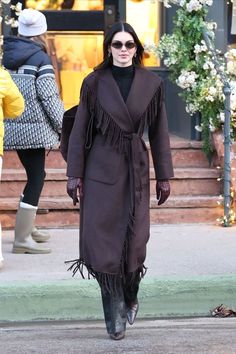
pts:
pixel 38 128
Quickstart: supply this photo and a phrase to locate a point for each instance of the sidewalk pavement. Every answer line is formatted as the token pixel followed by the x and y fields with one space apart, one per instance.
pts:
pixel 165 336
pixel 191 269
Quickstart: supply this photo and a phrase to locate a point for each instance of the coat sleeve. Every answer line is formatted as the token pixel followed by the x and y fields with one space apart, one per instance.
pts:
pixel 13 101
pixel 49 97
pixel 159 140
pixel 76 148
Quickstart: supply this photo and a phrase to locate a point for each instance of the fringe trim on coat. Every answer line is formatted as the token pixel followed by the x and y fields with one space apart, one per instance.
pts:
pixel 106 281
pixel 115 136
pixel 149 116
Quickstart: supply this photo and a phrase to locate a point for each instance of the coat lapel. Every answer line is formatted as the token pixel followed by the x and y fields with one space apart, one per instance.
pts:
pixel 110 98
pixel 141 93
pixel 126 115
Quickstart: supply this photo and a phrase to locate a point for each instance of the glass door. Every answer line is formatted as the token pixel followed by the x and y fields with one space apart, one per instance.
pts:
pixel 149 28
pixel 74 55
pixel 75 37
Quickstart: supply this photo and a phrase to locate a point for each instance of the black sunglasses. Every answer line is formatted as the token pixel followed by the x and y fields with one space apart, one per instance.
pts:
pixel 119 45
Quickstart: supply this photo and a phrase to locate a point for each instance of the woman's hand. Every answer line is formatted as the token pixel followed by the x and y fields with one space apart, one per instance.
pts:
pixel 163 190
pixel 74 184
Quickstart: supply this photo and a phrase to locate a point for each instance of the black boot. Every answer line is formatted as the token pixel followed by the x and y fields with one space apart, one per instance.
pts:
pixel 114 313
pixel 131 288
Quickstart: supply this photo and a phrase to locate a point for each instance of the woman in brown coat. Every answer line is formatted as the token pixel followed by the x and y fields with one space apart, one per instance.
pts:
pixel 108 164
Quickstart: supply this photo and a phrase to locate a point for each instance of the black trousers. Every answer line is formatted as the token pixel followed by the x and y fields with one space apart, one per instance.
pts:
pixel 115 303
pixel 33 161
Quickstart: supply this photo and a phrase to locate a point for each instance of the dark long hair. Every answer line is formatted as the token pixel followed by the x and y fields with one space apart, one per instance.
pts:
pixel 40 39
pixel 120 27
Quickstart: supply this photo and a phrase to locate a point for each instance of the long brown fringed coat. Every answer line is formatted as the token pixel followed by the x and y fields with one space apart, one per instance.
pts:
pixel 114 224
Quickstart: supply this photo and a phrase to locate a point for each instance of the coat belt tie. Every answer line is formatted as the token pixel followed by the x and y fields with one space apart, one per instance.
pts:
pixel 133 154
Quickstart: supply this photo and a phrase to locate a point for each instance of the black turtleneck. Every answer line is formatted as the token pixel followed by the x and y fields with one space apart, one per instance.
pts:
pixel 124 77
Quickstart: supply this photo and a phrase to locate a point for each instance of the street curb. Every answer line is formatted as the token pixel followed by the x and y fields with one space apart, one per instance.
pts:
pixel 75 299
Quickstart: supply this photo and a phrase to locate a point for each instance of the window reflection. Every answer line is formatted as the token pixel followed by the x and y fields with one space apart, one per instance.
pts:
pixel 148 28
pixel 82 5
pixel 74 56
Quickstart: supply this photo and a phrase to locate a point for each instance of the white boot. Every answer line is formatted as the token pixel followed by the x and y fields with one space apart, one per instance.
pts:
pixel 1 257
pixel 23 242
pixel 39 235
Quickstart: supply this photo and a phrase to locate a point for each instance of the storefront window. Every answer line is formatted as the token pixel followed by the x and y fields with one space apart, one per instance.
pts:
pixel 74 56
pixel 76 53
pixel 144 16
pixel 82 5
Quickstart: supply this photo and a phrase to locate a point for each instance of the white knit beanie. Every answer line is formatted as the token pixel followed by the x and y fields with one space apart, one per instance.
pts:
pixel 31 23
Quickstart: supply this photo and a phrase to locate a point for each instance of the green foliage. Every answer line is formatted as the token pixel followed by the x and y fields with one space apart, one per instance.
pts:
pixel 193 67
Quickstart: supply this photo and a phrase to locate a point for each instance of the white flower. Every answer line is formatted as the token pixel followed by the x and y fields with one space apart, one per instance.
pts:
pixel 233 97
pixel 188 109
pixel 212 91
pixel 187 79
pixel 203 46
pixel 166 62
pixel 17 8
pixel 191 78
pixel 211 125
pixel 197 49
pixel 219 83
pixel 198 128
pixel 222 117
pixel 221 68
pixel 211 65
pixel 208 65
pixel 210 98
pixel 231 67
pixel 168 2
pixel 192 108
pixel 9 21
pixel 14 23
pixel 211 26
pixel 212 128
pixel 200 48
pixel 173 61
pixel 181 81
pixel 206 2
pixel 182 3
pixel 233 86
pixel 231 54
pixel 193 5
pixel 213 72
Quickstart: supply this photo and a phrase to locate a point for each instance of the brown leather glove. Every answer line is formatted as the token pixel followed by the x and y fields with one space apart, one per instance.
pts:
pixel 163 190
pixel 74 184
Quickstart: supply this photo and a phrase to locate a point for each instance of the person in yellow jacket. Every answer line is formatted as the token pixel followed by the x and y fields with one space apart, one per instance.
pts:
pixel 11 106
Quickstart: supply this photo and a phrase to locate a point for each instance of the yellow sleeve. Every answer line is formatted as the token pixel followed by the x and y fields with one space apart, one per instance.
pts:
pixel 13 101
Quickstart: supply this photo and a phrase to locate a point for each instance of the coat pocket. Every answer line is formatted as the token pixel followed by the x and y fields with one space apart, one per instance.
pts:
pixel 103 165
